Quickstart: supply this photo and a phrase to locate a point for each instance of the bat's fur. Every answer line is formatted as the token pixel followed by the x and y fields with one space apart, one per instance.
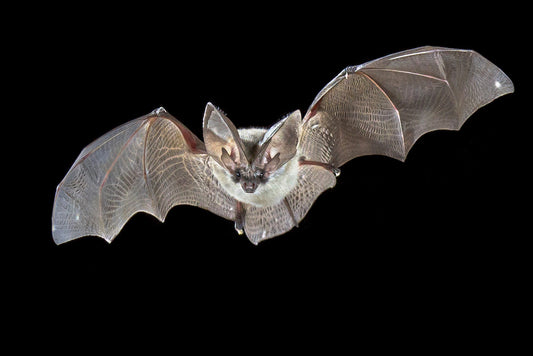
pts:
pixel 279 184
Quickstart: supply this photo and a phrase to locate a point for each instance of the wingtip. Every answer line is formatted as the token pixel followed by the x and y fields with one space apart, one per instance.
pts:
pixel 59 239
pixel 503 86
pixel 510 88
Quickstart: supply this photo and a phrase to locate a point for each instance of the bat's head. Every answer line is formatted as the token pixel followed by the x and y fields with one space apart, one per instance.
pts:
pixel 251 162
pixel 249 175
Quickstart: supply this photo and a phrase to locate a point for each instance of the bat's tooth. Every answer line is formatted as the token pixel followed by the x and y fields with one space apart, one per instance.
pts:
pixel 336 171
pixel 239 231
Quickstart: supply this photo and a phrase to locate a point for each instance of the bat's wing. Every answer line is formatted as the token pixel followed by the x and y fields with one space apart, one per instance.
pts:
pixel 382 107
pixel 262 223
pixel 149 164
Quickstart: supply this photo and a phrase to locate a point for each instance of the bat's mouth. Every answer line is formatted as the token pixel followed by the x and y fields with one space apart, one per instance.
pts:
pixel 249 187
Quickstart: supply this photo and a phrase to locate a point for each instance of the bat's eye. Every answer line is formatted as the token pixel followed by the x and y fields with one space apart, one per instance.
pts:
pixel 237 174
pixel 260 174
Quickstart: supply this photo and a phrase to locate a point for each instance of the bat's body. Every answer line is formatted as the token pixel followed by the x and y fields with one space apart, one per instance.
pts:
pixel 266 180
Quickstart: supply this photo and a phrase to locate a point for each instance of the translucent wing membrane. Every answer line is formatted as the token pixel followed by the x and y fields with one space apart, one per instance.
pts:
pixel 382 107
pixel 149 164
pixel 262 223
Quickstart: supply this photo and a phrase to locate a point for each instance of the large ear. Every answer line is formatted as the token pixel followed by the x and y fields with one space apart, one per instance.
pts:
pixel 279 143
pixel 222 141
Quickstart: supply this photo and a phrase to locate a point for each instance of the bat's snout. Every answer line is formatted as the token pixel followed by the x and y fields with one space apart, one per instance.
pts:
pixel 249 187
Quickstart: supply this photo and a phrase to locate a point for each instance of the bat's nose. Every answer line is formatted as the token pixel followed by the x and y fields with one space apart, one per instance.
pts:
pixel 249 187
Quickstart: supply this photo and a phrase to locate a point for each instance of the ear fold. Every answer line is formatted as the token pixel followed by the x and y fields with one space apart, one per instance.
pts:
pixel 221 138
pixel 279 143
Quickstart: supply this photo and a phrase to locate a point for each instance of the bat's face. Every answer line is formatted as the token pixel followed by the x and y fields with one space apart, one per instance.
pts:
pixel 249 178
pixel 252 164
pixel 245 176
pixel 257 185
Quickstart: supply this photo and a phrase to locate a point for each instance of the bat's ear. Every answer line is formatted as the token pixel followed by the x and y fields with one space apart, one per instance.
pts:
pixel 222 141
pixel 279 143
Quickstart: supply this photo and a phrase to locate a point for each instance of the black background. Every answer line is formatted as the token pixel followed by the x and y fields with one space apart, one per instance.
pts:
pixel 396 253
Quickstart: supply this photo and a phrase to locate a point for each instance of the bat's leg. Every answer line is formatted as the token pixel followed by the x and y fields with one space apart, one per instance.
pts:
pixel 239 218
pixel 291 213
pixel 327 166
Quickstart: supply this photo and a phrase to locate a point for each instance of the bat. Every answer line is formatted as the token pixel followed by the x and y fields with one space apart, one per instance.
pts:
pixel 267 179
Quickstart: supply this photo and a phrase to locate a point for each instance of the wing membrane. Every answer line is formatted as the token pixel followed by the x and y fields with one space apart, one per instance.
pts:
pixel 262 223
pixel 149 164
pixel 384 106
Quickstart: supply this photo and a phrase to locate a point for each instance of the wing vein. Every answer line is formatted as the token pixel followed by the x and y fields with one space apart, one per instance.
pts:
pixel 391 103
pixel 104 180
pixel 431 50
pixel 410 73
pixel 81 159
pixel 145 173
pixel 442 80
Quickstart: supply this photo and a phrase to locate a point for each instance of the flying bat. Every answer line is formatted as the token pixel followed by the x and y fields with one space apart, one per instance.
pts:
pixel 267 179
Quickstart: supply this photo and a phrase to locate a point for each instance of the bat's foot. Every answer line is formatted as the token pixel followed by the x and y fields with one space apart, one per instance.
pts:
pixel 239 219
pixel 239 226
pixel 239 230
